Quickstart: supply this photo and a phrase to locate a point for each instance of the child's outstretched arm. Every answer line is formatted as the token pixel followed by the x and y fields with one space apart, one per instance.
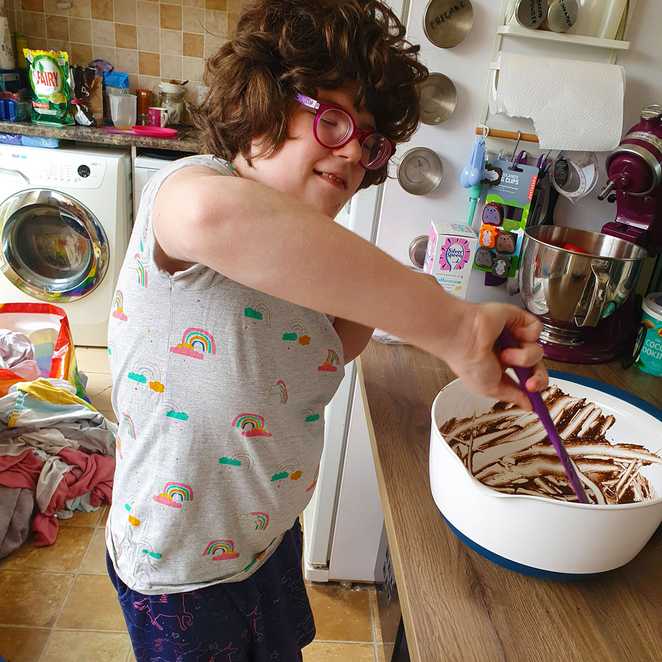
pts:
pixel 272 242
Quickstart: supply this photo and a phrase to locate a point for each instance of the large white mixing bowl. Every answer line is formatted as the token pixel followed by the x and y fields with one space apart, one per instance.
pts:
pixel 536 535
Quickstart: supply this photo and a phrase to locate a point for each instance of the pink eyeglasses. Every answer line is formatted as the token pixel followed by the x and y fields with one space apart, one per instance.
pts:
pixel 334 127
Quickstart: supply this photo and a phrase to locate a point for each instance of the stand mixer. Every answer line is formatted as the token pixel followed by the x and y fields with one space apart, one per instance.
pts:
pixel 634 172
pixel 581 284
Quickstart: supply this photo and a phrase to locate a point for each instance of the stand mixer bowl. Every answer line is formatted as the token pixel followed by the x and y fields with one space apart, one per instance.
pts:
pixel 573 279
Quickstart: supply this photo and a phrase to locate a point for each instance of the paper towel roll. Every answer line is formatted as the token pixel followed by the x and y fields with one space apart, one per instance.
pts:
pixel 574 105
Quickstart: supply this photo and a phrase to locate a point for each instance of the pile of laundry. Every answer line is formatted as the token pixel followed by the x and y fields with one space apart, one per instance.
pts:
pixel 57 452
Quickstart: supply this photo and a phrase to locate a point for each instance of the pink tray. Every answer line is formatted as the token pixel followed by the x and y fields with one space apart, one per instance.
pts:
pixel 145 131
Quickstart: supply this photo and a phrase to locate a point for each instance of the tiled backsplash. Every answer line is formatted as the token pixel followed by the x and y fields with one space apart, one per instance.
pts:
pixel 150 40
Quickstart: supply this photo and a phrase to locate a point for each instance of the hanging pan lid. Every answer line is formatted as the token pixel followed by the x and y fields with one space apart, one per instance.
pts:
pixel 438 98
pixel 421 171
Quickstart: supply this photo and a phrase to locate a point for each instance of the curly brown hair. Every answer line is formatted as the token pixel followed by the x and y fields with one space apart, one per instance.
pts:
pixel 285 46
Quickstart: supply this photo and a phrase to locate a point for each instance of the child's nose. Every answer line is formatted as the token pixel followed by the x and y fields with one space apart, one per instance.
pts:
pixel 351 151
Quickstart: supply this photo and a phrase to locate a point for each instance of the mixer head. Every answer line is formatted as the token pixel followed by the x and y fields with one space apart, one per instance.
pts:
pixel 634 171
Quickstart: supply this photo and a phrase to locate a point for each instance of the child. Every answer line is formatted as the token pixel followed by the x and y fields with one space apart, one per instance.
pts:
pixel 238 305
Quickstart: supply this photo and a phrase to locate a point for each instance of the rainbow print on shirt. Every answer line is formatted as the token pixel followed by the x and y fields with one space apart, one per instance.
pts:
pixel 296 334
pixel 118 306
pixel 261 520
pixel 311 416
pixel 133 520
pixel 175 495
pixel 141 269
pixel 151 553
pixel 331 363
pixel 251 425
pixel 148 375
pixel 257 312
pixel 175 413
pixel 237 460
pixel 287 470
pixel 282 390
pixel 311 485
pixel 128 421
pixel 220 550
pixel 195 344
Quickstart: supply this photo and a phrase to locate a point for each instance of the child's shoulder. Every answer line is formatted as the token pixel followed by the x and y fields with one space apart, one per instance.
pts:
pixel 208 161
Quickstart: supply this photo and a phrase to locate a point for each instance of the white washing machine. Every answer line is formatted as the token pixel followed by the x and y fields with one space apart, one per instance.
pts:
pixel 146 164
pixel 65 222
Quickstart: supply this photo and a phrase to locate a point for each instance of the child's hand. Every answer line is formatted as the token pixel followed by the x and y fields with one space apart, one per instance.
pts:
pixel 476 361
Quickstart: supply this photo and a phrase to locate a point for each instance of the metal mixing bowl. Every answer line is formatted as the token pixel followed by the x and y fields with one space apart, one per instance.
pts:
pixel 566 287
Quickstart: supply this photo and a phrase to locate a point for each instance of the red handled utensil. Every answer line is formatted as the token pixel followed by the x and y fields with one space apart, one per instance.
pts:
pixel 505 341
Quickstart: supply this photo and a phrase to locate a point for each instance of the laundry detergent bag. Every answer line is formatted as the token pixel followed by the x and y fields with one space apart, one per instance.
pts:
pixel 51 86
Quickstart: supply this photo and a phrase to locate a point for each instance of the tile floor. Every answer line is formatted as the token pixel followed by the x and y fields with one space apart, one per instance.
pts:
pixel 58 605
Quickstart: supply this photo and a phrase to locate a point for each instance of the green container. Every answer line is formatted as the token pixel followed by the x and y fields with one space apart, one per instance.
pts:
pixel 650 356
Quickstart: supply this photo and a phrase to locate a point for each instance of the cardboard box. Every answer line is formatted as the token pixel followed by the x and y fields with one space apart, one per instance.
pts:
pixel 450 256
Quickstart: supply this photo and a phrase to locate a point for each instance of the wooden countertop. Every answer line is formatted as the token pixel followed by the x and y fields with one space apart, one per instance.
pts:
pixel 185 141
pixel 458 606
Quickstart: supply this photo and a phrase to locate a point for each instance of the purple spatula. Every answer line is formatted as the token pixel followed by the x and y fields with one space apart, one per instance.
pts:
pixel 505 341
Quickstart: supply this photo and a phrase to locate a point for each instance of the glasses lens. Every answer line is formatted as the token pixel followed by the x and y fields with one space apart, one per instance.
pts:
pixel 376 151
pixel 334 127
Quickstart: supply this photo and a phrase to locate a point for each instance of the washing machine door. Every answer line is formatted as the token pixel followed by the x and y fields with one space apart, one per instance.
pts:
pixel 53 248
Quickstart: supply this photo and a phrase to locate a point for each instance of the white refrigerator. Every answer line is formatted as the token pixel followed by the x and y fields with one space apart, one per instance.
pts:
pixel 343 525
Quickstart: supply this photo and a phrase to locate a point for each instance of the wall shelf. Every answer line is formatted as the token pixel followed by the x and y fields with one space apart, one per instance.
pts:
pixel 571 39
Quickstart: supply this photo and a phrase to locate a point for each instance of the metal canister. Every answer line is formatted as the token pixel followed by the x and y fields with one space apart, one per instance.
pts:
pixel 531 13
pixel 650 355
pixel 562 15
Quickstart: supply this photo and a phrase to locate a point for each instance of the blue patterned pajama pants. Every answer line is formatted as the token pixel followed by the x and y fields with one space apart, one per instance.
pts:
pixel 265 618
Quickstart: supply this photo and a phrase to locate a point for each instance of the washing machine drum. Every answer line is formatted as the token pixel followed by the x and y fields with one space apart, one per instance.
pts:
pixel 53 247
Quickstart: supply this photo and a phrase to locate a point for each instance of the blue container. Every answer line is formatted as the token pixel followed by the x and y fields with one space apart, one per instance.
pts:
pixel 12 113
pixel 650 357
pixel 40 141
pixel 4 110
pixel 10 139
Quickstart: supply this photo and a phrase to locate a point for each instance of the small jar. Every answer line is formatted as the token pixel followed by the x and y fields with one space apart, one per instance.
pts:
pixel 144 102
pixel 171 97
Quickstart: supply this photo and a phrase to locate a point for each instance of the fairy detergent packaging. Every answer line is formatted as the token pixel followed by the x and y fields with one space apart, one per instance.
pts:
pixel 51 89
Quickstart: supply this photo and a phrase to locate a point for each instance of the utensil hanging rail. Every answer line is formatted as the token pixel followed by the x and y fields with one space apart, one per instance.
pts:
pixel 506 135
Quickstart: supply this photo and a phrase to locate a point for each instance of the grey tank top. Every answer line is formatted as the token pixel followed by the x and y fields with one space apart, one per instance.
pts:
pixel 219 391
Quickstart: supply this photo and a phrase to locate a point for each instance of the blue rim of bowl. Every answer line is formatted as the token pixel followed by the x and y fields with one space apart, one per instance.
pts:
pixel 520 568
pixel 648 407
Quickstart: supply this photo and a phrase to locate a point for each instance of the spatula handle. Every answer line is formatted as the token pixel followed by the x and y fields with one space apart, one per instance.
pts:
pixel 505 341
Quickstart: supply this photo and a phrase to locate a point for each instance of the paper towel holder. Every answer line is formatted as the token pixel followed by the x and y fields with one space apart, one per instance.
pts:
pixel 487 132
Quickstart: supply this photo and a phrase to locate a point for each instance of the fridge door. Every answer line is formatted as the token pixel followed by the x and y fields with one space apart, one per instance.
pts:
pixel 319 515
pixel 357 549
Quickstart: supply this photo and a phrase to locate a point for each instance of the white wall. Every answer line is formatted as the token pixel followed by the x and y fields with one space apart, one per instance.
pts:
pixel 405 216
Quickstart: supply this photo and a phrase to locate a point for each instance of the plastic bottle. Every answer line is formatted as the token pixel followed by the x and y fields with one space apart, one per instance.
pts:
pixel 21 42
pixel 599 18
pixel 589 17
pixel 7 60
